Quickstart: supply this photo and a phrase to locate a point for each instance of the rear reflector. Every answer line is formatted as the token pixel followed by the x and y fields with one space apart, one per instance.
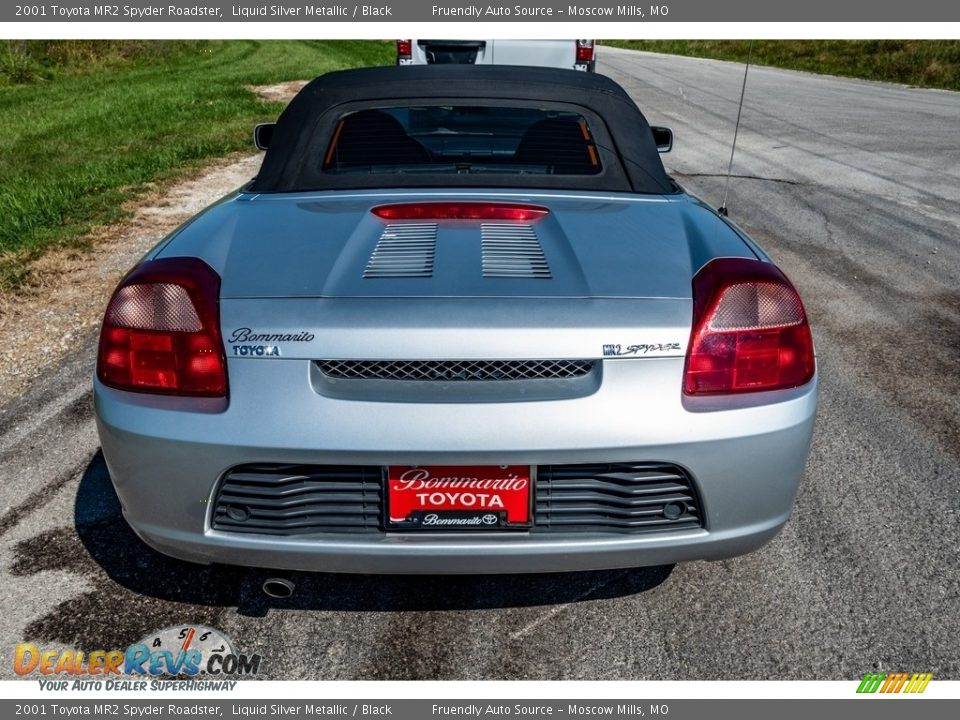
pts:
pixel 584 50
pixel 161 306
pixel 161 332
pixel 460 211
pixel 750 331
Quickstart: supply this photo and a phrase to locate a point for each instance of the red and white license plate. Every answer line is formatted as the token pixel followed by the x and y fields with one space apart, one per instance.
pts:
pixel 458 497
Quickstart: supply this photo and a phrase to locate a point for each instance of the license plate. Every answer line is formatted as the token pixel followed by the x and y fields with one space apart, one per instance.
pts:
pixel 458 497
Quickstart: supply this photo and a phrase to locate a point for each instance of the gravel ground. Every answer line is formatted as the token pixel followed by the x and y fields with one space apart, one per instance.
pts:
pixel 43 322
pixel 854 188
pixel 47 321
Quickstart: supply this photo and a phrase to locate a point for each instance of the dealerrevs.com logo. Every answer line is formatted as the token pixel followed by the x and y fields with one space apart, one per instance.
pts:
pixel 179 651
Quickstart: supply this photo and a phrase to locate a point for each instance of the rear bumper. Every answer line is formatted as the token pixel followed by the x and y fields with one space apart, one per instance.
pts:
pixel 461 554
pixel 746 458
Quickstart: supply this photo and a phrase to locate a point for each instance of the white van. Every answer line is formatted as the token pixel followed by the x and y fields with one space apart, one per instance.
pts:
pixel 572 54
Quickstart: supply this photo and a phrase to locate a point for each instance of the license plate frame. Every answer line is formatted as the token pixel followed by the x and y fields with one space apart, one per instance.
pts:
pixel 402 514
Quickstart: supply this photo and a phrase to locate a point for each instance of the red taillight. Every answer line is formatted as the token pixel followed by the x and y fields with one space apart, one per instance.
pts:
pixel 161 333
pixel 404 49
pixel 750 331
pixel 460 211
pixel 584 50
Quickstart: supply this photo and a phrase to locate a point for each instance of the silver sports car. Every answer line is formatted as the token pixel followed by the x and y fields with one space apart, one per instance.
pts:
pixel 462 321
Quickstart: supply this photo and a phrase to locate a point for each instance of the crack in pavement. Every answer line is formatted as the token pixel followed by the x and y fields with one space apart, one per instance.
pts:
pixel 744 177
pixel 557 609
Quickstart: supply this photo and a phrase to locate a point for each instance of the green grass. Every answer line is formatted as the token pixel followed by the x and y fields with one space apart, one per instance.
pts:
pixel 86 129
pixel 30 61
pixel 922 63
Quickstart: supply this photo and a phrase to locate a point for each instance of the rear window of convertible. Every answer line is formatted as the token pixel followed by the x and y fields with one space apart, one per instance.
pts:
pixel 462 139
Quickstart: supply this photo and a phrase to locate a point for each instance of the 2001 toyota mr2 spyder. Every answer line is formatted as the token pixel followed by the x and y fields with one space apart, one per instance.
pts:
pixel 462 321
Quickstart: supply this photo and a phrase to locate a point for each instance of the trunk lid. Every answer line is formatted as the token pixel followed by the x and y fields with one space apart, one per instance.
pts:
pixel 601 276
pixel 332 246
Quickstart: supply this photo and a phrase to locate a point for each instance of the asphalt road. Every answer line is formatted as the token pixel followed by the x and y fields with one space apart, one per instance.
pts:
pixel 854 188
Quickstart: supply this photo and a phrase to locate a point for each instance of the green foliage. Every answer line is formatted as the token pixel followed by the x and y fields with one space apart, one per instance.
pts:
pixel 87 124
pixel 27 61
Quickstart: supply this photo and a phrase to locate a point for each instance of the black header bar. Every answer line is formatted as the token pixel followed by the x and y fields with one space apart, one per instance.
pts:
pixel 538 11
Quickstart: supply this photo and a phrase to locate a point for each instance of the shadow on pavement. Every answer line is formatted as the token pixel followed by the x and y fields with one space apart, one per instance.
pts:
pixel 113 546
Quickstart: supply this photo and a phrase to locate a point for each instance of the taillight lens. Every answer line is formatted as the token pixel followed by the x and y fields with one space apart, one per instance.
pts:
pixel 404 49
pixel 460 211
pixel 584 50
pixel 750 331
pixel 161 332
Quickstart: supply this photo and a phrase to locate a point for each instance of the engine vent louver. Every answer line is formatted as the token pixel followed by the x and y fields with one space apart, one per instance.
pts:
pixel 404 250
pixel 512 251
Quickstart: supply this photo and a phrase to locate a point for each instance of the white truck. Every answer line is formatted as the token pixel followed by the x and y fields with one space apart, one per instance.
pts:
pixel 572 54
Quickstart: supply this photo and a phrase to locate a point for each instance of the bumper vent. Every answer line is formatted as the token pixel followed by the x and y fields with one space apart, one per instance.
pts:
pixel 455 370
pixel 295 500
pixel 300 499
pixel 618 497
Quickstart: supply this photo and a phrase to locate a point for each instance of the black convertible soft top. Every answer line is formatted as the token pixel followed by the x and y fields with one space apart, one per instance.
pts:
pixel 294 160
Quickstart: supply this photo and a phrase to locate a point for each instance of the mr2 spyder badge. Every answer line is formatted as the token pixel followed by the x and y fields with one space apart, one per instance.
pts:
pixel 640 349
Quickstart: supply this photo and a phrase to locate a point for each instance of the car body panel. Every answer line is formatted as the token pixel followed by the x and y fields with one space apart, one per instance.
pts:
pixel 318 244
pixel 605 279
pixel 165 459
pixel 458 328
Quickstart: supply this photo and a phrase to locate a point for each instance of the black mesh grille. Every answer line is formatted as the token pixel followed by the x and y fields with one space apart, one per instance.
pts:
pixel 300 499
pixel 455 370
pixel 294 500
pixel 619 497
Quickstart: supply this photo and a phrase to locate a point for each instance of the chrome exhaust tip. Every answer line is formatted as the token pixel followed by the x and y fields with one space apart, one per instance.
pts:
pixel 278 587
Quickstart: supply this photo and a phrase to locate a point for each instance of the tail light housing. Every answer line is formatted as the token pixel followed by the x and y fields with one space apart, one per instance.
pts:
pixel 584 50
pixel 404 49
pixel 750 331
pixel 161 332
pixel 461 211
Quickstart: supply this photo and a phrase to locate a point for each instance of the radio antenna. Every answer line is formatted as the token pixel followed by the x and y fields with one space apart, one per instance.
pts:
pixel 736 130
